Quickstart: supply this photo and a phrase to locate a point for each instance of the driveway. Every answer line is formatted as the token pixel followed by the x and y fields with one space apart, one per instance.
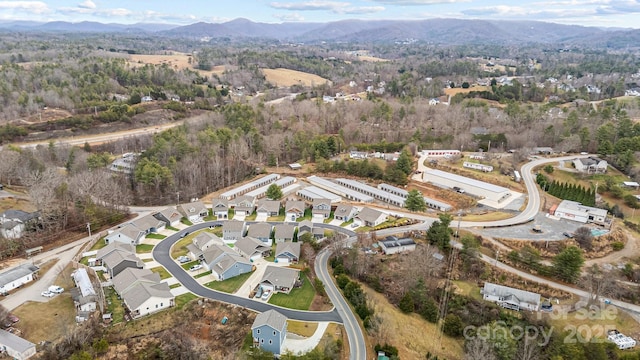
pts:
pixel 299 345
pixel 256 276
pixel 262 217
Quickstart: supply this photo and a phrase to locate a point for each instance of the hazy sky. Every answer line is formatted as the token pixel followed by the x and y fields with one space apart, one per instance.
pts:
pixel 610 13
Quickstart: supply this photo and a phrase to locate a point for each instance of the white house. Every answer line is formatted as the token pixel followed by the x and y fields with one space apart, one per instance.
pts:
pixel 370 217
pixel 17 276
pixel 232 231
pixel 220 208
pixel 13 223
pixel 590 165
pixel 393 245
pixel 15 346
pixel 194 211
pixel 476 166
pixel 511 298
pixel 575 211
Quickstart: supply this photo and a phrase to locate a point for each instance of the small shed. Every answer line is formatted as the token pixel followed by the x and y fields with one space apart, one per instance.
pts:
pixel 295 166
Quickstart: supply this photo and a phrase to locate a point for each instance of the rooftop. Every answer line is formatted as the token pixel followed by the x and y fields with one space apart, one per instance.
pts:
pixel 465 180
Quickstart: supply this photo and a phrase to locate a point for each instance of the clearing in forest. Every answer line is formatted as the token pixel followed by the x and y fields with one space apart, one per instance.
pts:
pixel 287 77
pixel 176 60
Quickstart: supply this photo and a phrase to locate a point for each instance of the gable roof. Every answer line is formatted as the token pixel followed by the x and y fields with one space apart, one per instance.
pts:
pixel 220 204
pixel 506 292
pixel 171 214
pixel 319 202
pixel 248 245
pixel 192 208
pixel 260 230
pixel 343 210
pixel 15 342
pixel 284 231
pixel 129 276
pixel 204 237
pixel 271 318
pixel 271 206
pixel 369 214
pixel 145 223
pixel 16 273
pixel 20 215
pixel 233 226
pixel 303 225
pixel 290 247
pixel 295 205
pixel 118 256
pixel 131 231
pixel 229 260
pixel 143 291
pixel 280 276
pixel 215 251
pixel 113 246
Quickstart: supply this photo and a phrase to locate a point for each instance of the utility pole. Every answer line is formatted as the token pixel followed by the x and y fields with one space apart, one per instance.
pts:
pixel 178 195
pixel 89 228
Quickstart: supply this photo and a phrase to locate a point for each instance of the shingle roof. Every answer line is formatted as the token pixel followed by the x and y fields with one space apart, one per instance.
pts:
pixel 131 231
pixel 233 225
pixel 294 205
pixel 115 246
pixel 229 260
pixel 129 276
pixel 23 216
pixel 16 273
pixel 215 251
pixel 137 295
pixel 290 247
pixel 369 214
pixel 170 213
pixel 272 319
pixel 204 237
pixel 192 208
pixel 284 231
pixel 343 210
pixel 280 276
pixel 505 291
pixel 118 256
pixel 270 206
pixel 248 245
pixel 145 223
pixel 260 230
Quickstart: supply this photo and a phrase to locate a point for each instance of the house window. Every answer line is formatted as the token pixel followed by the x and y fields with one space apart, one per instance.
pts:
pixel 270 342
pixel 274 333
pixel 262 341
pixel 258 331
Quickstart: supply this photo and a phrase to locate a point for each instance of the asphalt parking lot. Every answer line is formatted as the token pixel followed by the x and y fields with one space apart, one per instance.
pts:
pixel 552 229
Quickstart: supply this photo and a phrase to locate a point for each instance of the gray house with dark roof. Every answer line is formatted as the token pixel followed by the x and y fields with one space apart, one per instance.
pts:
pixel 262 232
pixel 269 330
pixel 116 257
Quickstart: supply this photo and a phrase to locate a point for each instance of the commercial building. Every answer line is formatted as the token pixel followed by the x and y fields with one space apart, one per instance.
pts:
pixel 339 189
pixel 431 203
pixel 575 211
pixel 474 187
pixel 243 189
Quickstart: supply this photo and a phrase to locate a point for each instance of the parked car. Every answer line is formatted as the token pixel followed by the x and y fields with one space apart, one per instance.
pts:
pixel 195 267
pixel 14 319
pixel 47 294
pixel 458 190
pixel 56 289
pixel 266 294
pixel 183 259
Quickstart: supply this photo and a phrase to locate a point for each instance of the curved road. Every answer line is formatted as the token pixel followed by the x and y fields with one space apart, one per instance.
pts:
pixel 161 253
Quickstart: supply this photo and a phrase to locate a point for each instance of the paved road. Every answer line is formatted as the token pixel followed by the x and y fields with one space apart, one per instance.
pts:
pixel 161 253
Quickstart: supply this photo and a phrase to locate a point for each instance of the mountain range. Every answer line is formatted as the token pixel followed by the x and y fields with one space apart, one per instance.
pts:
pixel 436 31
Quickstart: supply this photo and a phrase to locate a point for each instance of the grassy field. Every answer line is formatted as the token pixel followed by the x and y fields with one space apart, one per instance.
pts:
pixel 489 216
pixel 287 77
pixel 174 59
pixel 46 321
pixel 454 91
pixel 164 274
pixel 230 285
pixel 98 245
pixel 299 298
pixel 180 248
pixel 16 204
pixel 144 248
pixel 301 328
pixel 183 299
pixel 412 335
pixel 114 305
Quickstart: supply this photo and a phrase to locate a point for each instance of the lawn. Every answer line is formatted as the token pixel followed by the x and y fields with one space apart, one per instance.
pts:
pixel 98 245
pixel 307 215
pixel 155 236
pixel 172 228
pixel 188 265
pixel 203 274
pixel 185 221
pixel 210 216
pixel 144 248
pixel 180 248
pixel 230 285
pixel 114 305
pixel 347 222
pixel 299 298
pixel 251 217
pixel 276 218
pixel 164 274
pixel 182 300
pixel 329 219
pixel 147 260
pixel 176 285
pixel 48 321
pixel 302 328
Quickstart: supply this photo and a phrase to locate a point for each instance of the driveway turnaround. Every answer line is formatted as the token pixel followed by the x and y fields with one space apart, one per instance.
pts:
pixel 161 253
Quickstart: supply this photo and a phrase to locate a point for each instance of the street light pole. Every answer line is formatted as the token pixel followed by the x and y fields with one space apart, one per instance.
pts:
pixel 89 228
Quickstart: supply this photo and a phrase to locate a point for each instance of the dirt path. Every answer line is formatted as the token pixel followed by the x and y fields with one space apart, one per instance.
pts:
pixel 631 249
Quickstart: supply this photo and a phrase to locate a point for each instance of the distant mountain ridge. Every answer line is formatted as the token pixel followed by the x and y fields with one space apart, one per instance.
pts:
pixel 436 31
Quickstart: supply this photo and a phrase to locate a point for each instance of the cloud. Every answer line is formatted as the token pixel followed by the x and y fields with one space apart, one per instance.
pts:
pixel 310 5
pixel 34 7
pixel 419 2
pixel 518 12
pixel 88 4
pixel 292 17
pixel 363 10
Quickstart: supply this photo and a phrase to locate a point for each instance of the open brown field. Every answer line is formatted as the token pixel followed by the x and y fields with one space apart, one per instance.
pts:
pixel 287 77
pixel 412 335
pixel 176 60
pixel 371 58
pixel 454 91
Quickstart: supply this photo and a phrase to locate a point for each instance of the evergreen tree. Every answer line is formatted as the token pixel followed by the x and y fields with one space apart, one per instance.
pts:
pixel 404 163
pixel 406 304
pixel 415 201
pixel 274 192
